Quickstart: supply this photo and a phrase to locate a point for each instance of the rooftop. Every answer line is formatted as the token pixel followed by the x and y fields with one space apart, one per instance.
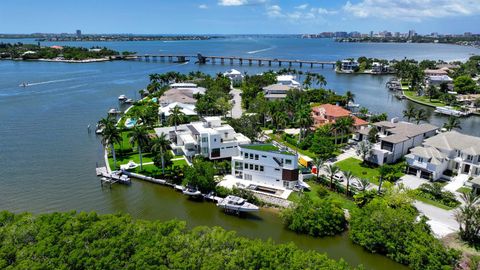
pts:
pixel 332 110
pixel 278 87
pixel 266 148
pixel 453 140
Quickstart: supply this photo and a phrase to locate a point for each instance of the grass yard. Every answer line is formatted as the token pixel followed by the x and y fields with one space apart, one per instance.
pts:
pixel 464 190
pixel 359 170
pixel 423 99
pixel 432 202
pixel 345 202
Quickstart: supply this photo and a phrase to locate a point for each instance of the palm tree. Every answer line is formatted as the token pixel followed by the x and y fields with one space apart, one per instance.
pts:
pixel 307 83
pixel 349 97
pixel 409 113
pixel 110 136
pixel 420 115
pixel 104 122
pixel 348 175
pixel 280 119
pixel 452 123
pixel 160 144
pixel 331 171
pixel 467 217
pixel 176 116
pixel 364 184
pixel 344 125
pixel 318 162
pixel 153 87
pixel 303 117
pixel 320 80
pixel 139 136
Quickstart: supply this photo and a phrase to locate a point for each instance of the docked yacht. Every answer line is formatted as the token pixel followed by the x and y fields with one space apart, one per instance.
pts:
pixel 192 192
pixel 448 110
pixel 122 98
pixel 236 204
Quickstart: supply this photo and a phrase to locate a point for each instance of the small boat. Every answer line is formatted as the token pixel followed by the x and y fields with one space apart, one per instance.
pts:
pixel 352 105
pixel 192 192
pixel 129 101
pixel 23 84
pixel 114 111
pixel 99 129
pixel 179 188
pixel 449 111
pixel 236 204
pixel 122 97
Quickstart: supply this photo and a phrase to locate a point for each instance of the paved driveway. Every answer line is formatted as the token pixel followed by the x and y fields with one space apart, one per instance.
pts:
pixel 411 181
pixel 441 221
pixel 456 183
pixel 237 103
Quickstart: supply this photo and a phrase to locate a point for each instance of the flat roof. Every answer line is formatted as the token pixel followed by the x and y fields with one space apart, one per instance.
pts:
pixel 266 148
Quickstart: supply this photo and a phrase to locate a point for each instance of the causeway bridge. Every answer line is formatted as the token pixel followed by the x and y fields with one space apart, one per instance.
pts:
pixel 203 59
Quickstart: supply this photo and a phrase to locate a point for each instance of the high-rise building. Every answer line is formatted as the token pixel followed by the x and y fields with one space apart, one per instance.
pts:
pixel 371 33
pixel 411 33
pixel 79 33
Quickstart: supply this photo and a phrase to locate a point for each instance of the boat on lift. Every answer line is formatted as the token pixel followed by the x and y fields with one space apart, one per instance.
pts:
pixel 122 98
pixel 237 204
pixel 192 192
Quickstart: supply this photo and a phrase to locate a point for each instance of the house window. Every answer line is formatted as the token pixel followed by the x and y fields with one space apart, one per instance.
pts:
pixel 204 140
pixel 246 155
pixel 248 177
pixel 256 167
pixel 215 152
pixel 288 161
pixel 469 157
pixel 456 166
pixel 277 169
pixel 256 157
pixel 251 156
pixel 251 167
pixel 420 159
pixel 246 165
pixel 266 157
pixel 261 168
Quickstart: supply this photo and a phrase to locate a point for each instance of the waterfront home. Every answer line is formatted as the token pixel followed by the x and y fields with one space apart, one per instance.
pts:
pixel 468 100
pixel 349 65
pixel 235 76
pixel 395 139
pixel 452 151
pixel 164 110
pixel 437 80
pixel 181 95
pixel 288 80
pixel 208 138
pixel 277 91
pixel 436 72
pixel 328 114
pixel 379 68
pixel 267 166
pixel 475 182
pixel 183 85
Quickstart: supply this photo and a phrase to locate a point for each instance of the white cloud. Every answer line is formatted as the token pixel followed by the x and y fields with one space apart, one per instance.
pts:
pixel 233 3
pixel 413 10
pixel 202 6
pixel 304 6
pixel 301 12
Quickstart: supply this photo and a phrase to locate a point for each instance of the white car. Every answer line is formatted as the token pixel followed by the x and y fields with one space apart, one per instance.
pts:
pixel 338 177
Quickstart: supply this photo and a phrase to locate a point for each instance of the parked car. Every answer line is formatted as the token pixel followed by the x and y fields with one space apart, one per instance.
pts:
pixel 338 177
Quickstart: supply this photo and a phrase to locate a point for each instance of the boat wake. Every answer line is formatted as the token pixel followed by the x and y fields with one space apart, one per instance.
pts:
pixel 47 82
pixel 262 50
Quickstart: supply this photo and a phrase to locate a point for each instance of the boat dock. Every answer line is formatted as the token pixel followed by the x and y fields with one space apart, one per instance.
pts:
pixel 203 59
pixel 109 179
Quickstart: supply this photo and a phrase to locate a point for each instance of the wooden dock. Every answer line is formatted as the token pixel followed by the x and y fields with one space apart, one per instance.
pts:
pixel 203 59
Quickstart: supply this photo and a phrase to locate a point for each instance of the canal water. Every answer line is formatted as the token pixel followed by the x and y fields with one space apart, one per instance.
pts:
pixel 47 158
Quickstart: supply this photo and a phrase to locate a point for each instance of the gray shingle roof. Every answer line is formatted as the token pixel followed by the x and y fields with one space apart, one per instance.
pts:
pixel 454 140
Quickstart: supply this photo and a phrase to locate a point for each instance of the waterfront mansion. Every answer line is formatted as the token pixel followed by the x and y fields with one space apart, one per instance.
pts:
pixel 208 138
pixel 395 139
pixel 266 165
pixel 449 151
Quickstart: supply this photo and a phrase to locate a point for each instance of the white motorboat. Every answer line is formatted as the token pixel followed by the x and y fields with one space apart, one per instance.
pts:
pixel 122 97
pixel 192 192
pixel 129 101
pixel 449 111
pixel 114 111
pixel 99 129
pixel 237 204
pixel 179 188
pixel 24 84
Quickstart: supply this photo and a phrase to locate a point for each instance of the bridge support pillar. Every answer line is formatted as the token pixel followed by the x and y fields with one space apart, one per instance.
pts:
pixel 311 65
pixel 231 61
pixel 322 65
pixel 269 63
pixel 222 60
pixel 301 64
pixel 170 58
pixel 250 62
pixel 259 62
pixel 162 58
pixel 241 61
pixel 213 60
pixel 279 63
pixel 181 59
pixel 289 64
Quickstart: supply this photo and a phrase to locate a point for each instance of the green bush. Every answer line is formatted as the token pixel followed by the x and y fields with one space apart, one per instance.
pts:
pixel 319 218
pixel 91 241
pixel 434 192
pixel 393 230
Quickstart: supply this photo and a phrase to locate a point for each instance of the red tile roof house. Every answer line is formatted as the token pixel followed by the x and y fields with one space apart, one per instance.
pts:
pixel 328 114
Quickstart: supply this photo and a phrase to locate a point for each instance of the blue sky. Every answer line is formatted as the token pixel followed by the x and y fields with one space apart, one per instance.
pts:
pixel 238 16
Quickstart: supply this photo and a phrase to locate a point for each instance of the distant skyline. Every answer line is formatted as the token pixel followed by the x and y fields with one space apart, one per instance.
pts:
pixel 238 16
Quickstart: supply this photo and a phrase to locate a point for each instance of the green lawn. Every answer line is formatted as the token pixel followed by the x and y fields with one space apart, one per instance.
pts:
pixel 423 99
pixel 124 159
pixel 180 163
pixel 359 170
pixel 432 202
pixel 464 190
pixel 345 202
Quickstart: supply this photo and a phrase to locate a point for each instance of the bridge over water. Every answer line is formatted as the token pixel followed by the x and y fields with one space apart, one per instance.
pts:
pixel 203 59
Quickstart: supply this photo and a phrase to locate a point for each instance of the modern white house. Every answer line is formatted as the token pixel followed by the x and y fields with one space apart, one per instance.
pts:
pixel 451 151
pixel 235 76
pixel 288 80
pixel 395 139
pixel 266 165
pixel 208 138
pixel 349 65
pixel 437 80
pixel 277 91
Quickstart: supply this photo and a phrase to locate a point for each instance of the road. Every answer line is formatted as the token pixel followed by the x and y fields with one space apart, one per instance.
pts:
pixel 237 103
pixel 442 221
